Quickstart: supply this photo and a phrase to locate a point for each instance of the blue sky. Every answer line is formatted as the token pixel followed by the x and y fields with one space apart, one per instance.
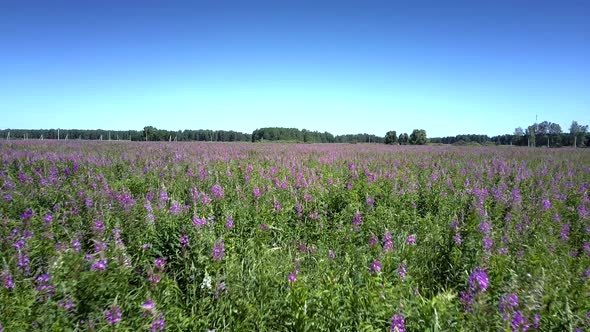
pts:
pixel 449 67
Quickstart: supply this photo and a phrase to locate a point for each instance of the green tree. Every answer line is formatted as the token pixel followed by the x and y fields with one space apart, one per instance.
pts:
pixel 391 137
pixel 578 131
pixel 403 139
pixel 418 137
pixel 518 133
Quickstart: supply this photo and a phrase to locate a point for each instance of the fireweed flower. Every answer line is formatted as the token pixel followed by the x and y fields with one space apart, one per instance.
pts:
pixel 218 251
pixel 331 254
pixel 217 191
pixel 401 271
pixel 148 306
pixel 47 219
pixel 154 278
pixel 98 226
pixel 44 287
pixel 357 219
pixel 67 305
pixel 23 262
pixel 397 323
pixel 277 205
pixel 478 280
pixel 375 267
pixel 199 222
pixel 160 264
pixel 507 305
pixel 487 243
pixel 113 315
pixel 457 239
pixel 229 222
pixel 184 240
pixel 546 204
pixel 7 281
pixel 158 325
pixel 175 208
pixel 387 242
pixel 292 277
pixel 99 265
pixel 76 245
pixel 373 240
pixel 256 192
pixel 411 239
pixel 564 233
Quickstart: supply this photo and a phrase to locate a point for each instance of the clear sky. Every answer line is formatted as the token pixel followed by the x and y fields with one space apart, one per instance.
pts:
pixel 450 67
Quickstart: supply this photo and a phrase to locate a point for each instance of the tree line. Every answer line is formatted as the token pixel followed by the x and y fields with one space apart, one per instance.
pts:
pixel 278 134
pixel 545 133
pixel 149 133
pixel 537 134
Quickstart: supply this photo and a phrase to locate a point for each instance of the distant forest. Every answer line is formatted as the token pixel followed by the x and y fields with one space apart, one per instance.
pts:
pixel 538 134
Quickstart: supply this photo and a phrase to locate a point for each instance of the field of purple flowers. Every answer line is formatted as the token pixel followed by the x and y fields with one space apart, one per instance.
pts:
pixel 122 236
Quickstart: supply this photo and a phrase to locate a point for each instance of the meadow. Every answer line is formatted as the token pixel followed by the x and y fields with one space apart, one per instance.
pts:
pixel 138 236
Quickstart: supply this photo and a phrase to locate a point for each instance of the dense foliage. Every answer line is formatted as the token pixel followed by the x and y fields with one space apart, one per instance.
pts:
pixel 132 236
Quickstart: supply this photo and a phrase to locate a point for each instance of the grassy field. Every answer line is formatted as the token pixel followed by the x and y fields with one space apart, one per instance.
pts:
pixel 122 236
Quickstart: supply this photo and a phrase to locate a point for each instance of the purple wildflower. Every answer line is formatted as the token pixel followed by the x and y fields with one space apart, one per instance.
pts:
pixel 256 192
pixel 519 322
pixel 564 233
pixel 99 265
pixel 113 315
pixel 398 323
pixel 373 240
pixel 158 325
pixel 411 240
pixel 401 271
pixel 19 244
pixel 331 254
pixel 7 280
pixel 44 287
pixel 357 219
pixel 199 222
pixel 184 240
pixel 154 278
pixel 292 277
pixel 229 223
pixel 457 238
pixel 277 205
pixel 387 242
pixel 66 305
pixel 47 219
pixel 546 204
pixel 536 320
pixel 76 245
pixel 507 304
pixel 487 243
pixel 98 226
pixel 217 191
pixel 27 214
pixel 175 208
pixel 160 264
pixel 375 267
pixel 23 262
pixel 478 280
pixel 148 306
pixel 218 251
